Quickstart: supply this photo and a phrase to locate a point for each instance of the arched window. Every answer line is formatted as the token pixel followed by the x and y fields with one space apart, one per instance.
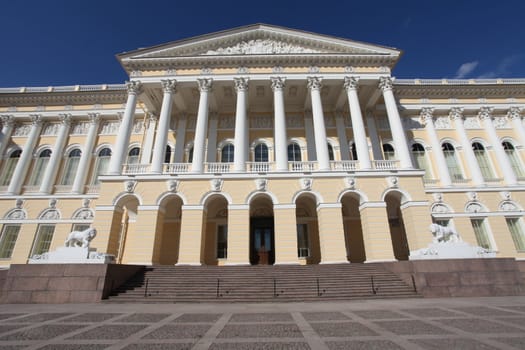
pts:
pixel 40 167
pixel 452 163
pixel 294 152
pixel 133 155
pixel 353 151
pixel 418 152
pixel 260 153
pixel 71 166
pixel 388 152
pixel 483 160
pixel 167 155
pixel 330 152
pixel 227 153
pixel 513 157
pixel 101 165
pixel 9 167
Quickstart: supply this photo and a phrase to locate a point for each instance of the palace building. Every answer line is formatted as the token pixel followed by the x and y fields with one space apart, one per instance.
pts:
pixel 262 145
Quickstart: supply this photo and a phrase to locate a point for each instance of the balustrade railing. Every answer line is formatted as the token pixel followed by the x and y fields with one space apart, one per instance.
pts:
pixel 174 168
pixel 344 165
pixel 135 169
pixel 63 188
pixel 385 164
pixel 218 168
pixel 258 167
pixel 301 166
pixel 460 181
pixel 92 189
pixel 31 189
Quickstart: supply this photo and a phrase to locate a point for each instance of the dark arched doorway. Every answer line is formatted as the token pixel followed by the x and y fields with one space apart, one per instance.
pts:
pixel 262 241
pixel 355 248
pixel 397 227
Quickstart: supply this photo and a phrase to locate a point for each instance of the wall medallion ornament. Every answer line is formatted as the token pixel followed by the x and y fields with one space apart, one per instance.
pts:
pixel 129 186
pixel 19 203
pixel 505 195
pixel 84 214
pixel 508 206
pixel 261 184
pixel 16 214
pixel 216 185
pixel 53 203
pixel 86 202
pixel 474 207
pixel 393 181
pixel 438 197
pixel 50 214
pixel 473 196
pixel 349 182
pixel 173 185
pixel 306 183
pixel 440 208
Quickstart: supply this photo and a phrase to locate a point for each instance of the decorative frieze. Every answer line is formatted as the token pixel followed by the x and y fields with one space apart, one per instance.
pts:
pixel 109 128
pixel 472 123
pixel 500 122
pixel 260 46
pixel 138 126
pixel 21 130
pixel 79 128
pixel 50 129
pixel 442 123
pixel 294 122
pixel 226 122
pixel 261 122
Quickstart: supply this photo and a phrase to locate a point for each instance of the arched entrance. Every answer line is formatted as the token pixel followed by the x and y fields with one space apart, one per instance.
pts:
pixel 168 231
pixel 308 246
pixel 215 235
pixel 122 226
pixel 397 228
pixel 355 248
pixel 262 242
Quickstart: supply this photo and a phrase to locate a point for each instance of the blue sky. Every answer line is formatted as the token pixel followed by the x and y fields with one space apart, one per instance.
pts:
pixel 59 42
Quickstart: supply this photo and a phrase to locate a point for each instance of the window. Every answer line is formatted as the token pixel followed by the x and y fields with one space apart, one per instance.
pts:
pixel 222 241
pixel 518 235
pixel 481 232
pixel 483 161
pixel 71 166
pixel 190 155
pixel 39 168
pixel 133 155
pixel 353 152
pixel 303 247
pixel 294 152
pixel 43 239
pixel 167 155
pixel 8 240
pixel 514 159
pixel 330 152
pixel 102 163
pixel 9 167
pixel 418 152
pixel 452 163
pixel 261 153
pixel 80 227
pixel 227 153
pixel 388 152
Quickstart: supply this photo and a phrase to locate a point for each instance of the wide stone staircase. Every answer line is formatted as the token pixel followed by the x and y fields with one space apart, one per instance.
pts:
pixel 159 284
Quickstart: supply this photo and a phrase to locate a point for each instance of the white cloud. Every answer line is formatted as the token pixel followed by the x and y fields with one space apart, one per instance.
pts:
pixel 465 69
pixel 504 67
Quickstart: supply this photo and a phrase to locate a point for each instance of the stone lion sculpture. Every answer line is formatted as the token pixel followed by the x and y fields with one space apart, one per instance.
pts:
pixel 81 238
pixel 444 234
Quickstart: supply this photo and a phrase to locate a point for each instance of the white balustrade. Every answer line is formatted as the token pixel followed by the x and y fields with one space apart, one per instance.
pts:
pixel 386 164
pixel 345 165
pixel 92 189
pixel 174 168
pixel 218 168
pixel 460 181
pixel 135 169
pixel 259 167
pixel 28 189
pixel 301 166
pixel 63 188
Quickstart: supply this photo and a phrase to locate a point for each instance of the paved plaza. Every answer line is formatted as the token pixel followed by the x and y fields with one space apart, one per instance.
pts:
pixel 459 323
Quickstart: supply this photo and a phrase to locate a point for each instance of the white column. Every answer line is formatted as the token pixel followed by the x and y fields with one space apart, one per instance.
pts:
pixel 281 141
pixel 398 133
pixel 124 131
pixel 85 157
pixel 240 150
pixel 344 147
pixel 513 114
pixel 358 127
pixel 197 165
pixel 457 115
pixel 159 149
pixel 180 138
pixel 7 129
pixel 50 174
pixel 213 122
pixel 428 119
pixel 310 138
pixel 374 138
pixel 485 114
pixel 22 166
pixel 147 150
pixel 321 145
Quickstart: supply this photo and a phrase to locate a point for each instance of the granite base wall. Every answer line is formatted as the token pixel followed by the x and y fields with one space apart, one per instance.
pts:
pixel 462 277
pixel 63 283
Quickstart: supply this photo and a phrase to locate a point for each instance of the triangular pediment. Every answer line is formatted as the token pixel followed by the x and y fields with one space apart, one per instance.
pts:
pixel 258 40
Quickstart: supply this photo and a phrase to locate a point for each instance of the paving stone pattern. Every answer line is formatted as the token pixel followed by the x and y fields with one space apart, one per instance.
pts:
pixel 463 323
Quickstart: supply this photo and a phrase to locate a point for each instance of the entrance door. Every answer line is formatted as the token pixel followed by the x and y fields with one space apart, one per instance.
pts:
pixel 262 242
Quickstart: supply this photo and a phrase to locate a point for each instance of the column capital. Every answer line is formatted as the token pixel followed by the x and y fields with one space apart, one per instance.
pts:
pixel 152 117
pixel 278 83
pixel 205 84
pixel 514 113
pixel 7 119
pixel 134 87
pixel 65 118
pixel 314 83
pixel 94 118
pixel 36 119
pixel 485 113
pixel 427 115
pixel 456 113
pixel 386 83
pixel 351 83
pixel 120 116
pixel 169 86
pixel 241 84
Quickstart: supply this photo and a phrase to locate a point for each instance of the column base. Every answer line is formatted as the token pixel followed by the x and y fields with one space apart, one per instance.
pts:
pixel 236 264
pixel 334 262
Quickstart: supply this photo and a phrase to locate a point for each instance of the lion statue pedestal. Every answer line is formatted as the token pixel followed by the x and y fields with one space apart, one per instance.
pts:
pixel 76 251
pixel 447 244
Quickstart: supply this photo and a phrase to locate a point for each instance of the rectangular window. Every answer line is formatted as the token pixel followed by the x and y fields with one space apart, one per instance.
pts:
pixel 518 235
pixel 303 246
pixel 222 241
pixel 8 240
pixel 481 232
pixel 43 239
pixel 452 165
